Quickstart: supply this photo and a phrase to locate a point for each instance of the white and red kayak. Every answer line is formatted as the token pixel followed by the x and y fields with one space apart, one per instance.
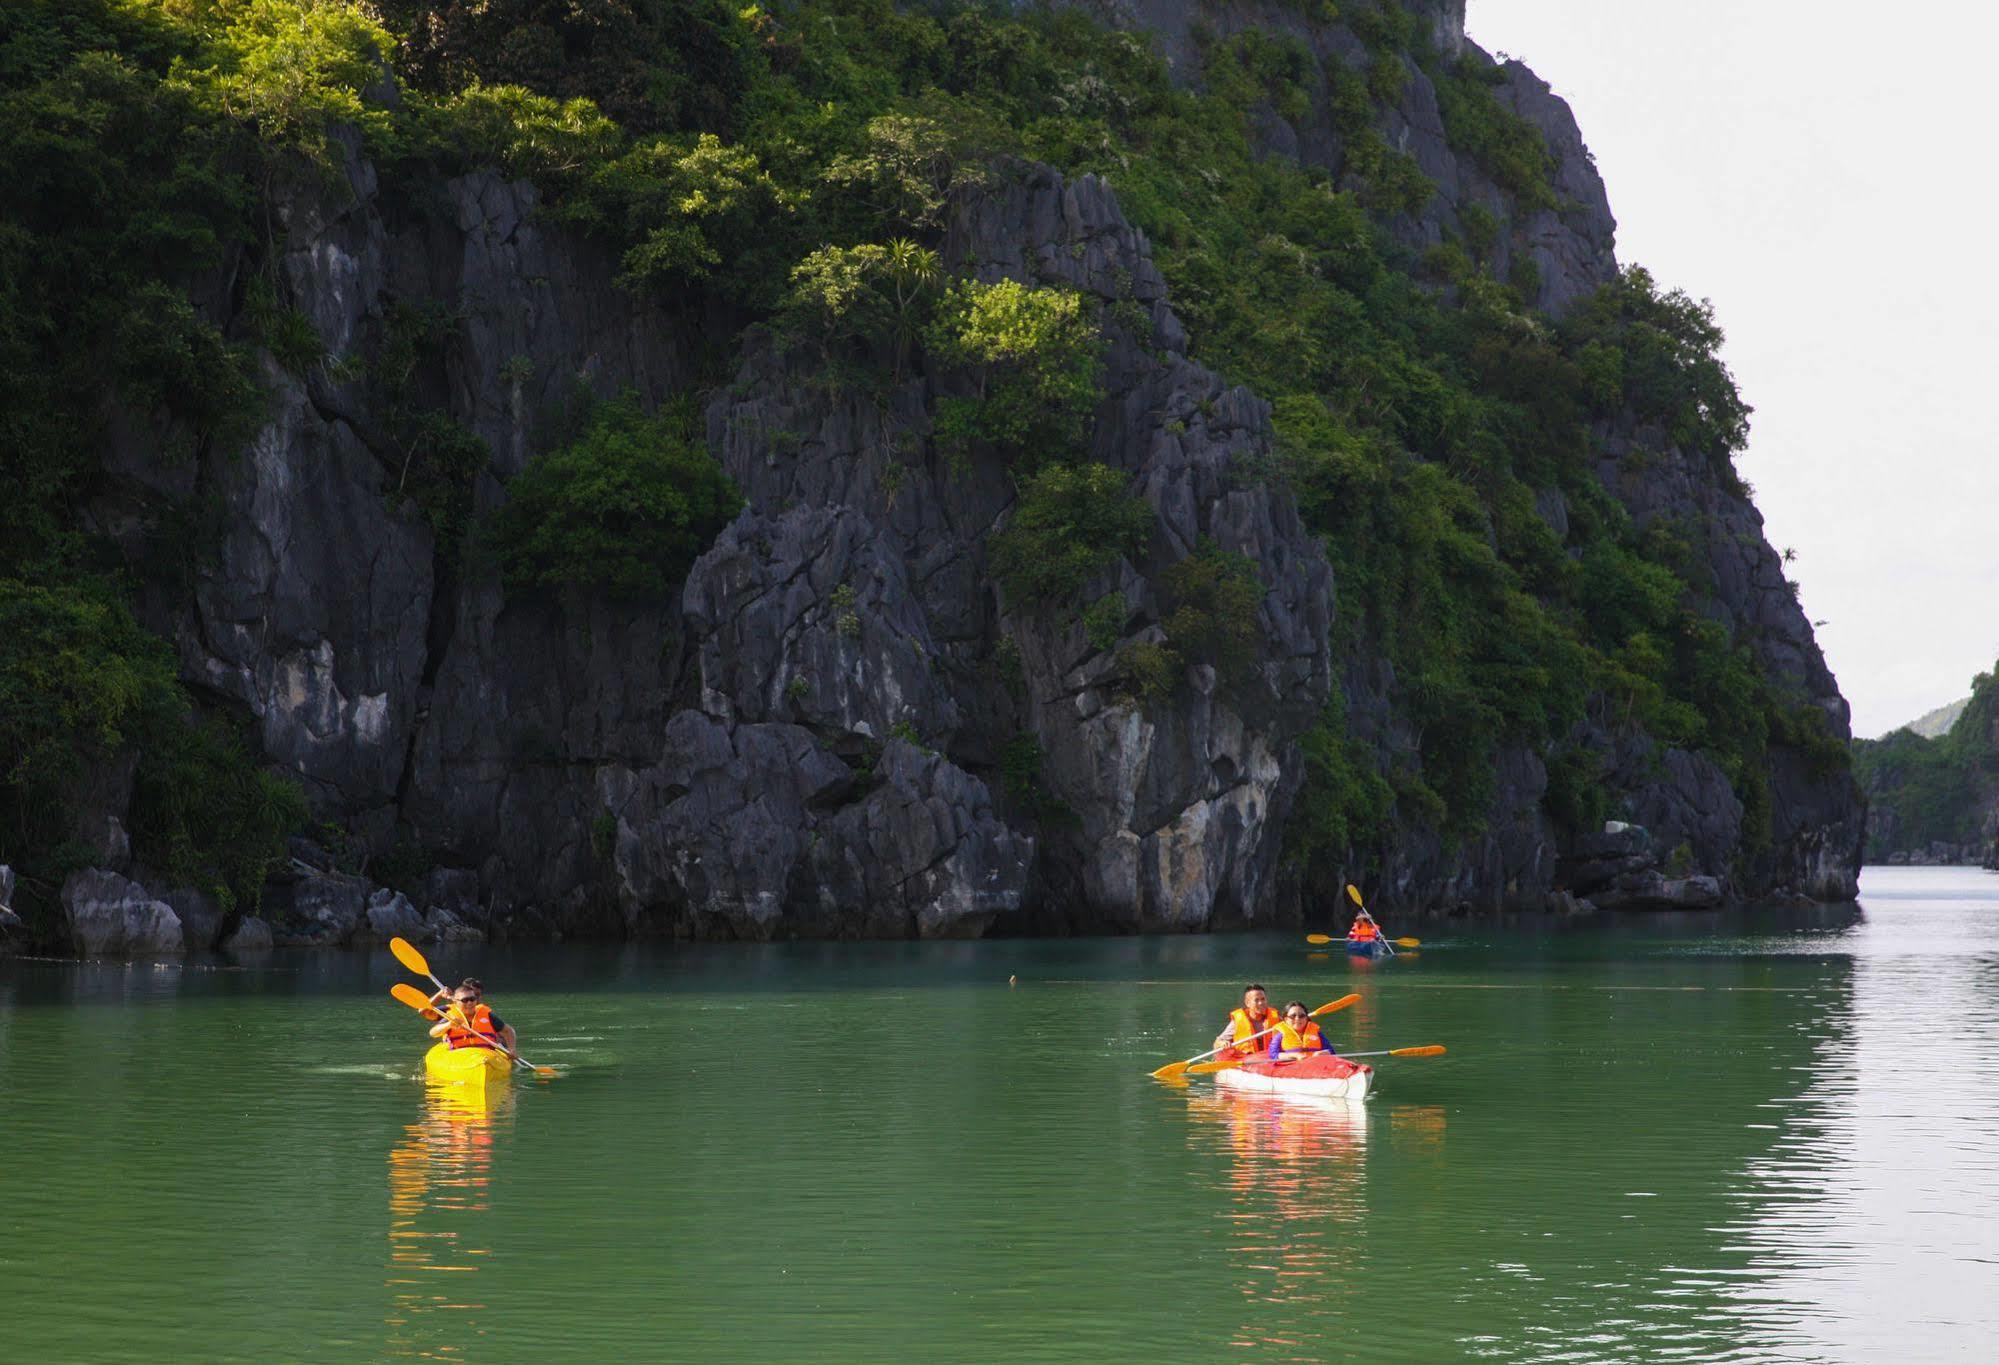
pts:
pixel 1324 1075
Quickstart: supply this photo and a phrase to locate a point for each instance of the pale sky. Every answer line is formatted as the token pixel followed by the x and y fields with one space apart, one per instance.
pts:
pixel 1823 172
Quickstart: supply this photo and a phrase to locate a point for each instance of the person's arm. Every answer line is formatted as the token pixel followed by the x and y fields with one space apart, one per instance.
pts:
pixel 1276 1048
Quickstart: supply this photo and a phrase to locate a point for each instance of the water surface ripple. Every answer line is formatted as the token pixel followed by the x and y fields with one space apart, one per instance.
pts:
pixel 1755 1136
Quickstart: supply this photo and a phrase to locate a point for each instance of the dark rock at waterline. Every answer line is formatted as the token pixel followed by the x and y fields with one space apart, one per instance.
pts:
pixel 11 927
pixel 759 831
pixel 106 915
pixel 322 909
pixel 1654 891
pixel 389 914
pixel 201 918
pixel 251 935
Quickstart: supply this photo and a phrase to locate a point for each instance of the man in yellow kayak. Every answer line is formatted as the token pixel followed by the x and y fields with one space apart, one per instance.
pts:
pixel 1245 1023
pixel 1297 1036
pixel 468 1021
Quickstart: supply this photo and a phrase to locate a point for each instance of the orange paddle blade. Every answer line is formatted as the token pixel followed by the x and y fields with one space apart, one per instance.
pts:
pixel 415 999
pixel 1338 1004
pixel 1408 943
pixel 1172 1071
pixel 1433 1050
pixel 1353 894
pixel 1318 938
pixel 407 954
pixel 1210 1068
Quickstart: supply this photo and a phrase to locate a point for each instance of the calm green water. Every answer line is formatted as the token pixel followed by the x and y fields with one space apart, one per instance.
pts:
pixel 1752 1137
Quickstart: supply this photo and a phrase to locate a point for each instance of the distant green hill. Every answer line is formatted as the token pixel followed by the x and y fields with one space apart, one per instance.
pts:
pixel 1934 779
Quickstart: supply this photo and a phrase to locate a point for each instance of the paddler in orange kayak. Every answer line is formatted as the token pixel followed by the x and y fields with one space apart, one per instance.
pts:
pixel 1297 1036
pixel 468 1021
pixel 1245 1023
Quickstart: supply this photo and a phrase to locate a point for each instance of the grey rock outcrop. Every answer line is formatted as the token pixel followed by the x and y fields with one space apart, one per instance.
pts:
pixel 442 926
pixel 201 919
pixel 753 830
pixel 390 915
pixel 322 909
pixel 11 925
pixel 108 916
pixel 1178 807
pixel 251 935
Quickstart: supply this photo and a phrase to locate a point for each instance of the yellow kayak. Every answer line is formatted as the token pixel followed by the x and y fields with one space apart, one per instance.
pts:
pixel 479 1066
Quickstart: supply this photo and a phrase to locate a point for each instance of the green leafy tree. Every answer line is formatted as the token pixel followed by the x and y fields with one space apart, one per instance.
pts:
pixel 910 166
pixel 693 208
pixel 865 293
pixel 1036 361
pixel 624 509
pixel 1215 594
pixel 1072 522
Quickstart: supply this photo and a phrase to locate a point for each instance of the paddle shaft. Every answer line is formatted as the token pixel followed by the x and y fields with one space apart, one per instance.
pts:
pixel 1353 894
pixel 1326 1008
pixel 407 954
pixel 493 1040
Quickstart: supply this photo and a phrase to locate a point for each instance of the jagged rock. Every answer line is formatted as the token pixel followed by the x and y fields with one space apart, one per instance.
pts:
pixel 389 915
pixel 10 923
pixel 1653 891
pixel 251 935
pixel 1566 904
pixel 760 832
pixel 108 916
pixel 200 917
pixel 808 617
pixel 103 799
pixel 322 909
pixel 454 889
pixel 441 926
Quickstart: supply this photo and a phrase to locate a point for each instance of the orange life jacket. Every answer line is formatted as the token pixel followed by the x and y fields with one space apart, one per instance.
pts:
pixel 1245 1028
pixel 1364 929
pixel 1306 1039
pixel 481 1019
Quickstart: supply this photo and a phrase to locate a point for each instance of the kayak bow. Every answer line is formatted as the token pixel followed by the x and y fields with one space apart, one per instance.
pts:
pixel 480 1066
pixel 1325 1075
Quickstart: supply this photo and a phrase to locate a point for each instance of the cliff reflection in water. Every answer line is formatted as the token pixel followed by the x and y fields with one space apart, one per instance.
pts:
pixel 440 1178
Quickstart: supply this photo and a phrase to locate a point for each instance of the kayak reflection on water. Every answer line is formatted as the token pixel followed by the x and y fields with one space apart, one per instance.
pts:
pixel 1294 1217
pixel 439 1187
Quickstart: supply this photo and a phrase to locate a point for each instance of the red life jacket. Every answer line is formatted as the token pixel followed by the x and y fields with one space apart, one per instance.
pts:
pixel 481 1019
pixel 1306 1039
pixel 1245 1028
pixel 1364 929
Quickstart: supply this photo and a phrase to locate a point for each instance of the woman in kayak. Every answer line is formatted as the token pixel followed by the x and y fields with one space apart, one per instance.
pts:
pixel 1297 1036
pixel 1364 929
pixel 468 1021
pixel 1244 1024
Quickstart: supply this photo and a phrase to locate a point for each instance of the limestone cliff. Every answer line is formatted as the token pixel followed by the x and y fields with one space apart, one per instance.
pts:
pixel 841 725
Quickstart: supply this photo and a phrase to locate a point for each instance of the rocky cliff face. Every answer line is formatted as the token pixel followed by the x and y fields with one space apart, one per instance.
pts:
pixel 811 739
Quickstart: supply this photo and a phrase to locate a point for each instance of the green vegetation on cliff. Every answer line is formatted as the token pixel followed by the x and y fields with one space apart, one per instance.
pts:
pixel 793 163
pixel 1923 791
